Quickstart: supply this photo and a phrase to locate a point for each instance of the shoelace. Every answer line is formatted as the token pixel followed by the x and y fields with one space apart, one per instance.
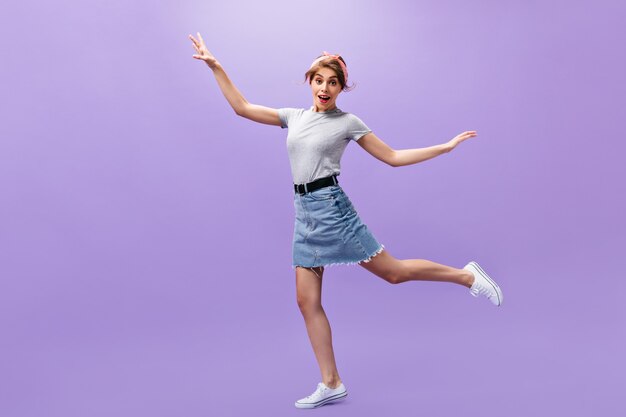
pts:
pixel 482 290
pixel 320 389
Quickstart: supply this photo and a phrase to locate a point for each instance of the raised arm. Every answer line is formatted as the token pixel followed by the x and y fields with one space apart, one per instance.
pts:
pixel 397 158
pixel 237 101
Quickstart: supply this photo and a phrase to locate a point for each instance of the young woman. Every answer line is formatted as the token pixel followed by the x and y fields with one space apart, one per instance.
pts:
pixel 327 228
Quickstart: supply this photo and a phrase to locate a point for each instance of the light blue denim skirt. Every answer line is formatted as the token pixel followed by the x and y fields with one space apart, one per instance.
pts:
pixel 328 230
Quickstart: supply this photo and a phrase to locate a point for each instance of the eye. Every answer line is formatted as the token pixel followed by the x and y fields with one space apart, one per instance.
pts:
pixel 333 82
pixel 318 81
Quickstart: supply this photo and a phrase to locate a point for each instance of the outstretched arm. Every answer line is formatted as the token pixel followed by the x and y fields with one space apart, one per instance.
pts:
pixel 397 158
pixel 237 101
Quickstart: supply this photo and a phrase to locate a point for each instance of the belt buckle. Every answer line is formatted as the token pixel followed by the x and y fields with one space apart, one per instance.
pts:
pixel 301 188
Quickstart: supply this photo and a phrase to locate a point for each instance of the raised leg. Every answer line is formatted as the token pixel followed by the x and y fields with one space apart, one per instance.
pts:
pixel 396 271
pixel 309 298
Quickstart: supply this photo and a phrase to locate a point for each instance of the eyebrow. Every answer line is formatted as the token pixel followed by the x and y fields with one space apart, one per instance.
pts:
pixel 320 75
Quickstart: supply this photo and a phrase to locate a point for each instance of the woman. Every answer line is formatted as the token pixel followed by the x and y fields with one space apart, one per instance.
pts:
pixel 328 229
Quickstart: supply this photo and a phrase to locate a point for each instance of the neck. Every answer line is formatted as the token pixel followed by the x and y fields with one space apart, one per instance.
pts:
pixel 317 109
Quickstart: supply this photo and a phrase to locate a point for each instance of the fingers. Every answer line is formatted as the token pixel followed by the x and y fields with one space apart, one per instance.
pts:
pixel 464 136
pixel 198 42
pixel 198 45
pixel 195 43
pixel 195 46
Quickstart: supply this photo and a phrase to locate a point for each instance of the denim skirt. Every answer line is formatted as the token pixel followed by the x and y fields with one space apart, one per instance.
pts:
pixel 328 230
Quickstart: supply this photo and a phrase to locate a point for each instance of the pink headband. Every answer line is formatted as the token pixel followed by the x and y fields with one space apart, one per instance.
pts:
pixel 326 55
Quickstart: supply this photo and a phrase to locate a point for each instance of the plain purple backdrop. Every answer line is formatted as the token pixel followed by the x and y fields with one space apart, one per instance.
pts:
pixel 145 229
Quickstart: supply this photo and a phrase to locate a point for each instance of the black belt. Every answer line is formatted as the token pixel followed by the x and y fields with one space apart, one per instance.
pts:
pixel 315 185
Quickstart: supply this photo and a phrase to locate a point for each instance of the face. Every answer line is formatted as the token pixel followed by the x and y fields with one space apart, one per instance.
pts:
pixel 325 87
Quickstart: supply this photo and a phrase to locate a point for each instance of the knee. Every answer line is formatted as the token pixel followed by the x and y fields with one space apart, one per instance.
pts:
pixel 395 275
pixel 308 304
pixel 393 279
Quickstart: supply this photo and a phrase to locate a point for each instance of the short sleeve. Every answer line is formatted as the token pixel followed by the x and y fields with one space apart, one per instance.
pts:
pixel 356 128
pixel 286 114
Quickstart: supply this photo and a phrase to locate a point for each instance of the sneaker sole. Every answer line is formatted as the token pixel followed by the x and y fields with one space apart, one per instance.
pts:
pixel 492 282
pixel 320 403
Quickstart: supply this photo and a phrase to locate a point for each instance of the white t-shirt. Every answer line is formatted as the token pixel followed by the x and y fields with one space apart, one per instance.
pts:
pixel 316 140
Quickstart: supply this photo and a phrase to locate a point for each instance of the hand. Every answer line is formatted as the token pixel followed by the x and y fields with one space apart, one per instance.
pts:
pixel 459 138
pixel 202 51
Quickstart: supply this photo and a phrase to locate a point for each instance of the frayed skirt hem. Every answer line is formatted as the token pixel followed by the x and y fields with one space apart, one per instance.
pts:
pixel 366 260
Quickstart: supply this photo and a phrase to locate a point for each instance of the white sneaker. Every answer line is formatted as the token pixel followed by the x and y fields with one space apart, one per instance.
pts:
pixel 322 395
pixel 483 284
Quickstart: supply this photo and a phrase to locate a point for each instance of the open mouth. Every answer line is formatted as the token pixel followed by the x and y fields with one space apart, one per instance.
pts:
pixel 323 98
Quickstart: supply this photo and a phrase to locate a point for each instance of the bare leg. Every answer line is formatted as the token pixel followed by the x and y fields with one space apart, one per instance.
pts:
pixel 396 271
pixel 309 297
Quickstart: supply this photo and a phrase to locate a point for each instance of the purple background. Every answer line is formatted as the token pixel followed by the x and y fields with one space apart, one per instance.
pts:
pixel 145 230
